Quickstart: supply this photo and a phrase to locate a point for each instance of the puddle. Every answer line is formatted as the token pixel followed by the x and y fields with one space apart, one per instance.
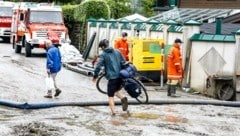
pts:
pixel 144 115
pixel 175 119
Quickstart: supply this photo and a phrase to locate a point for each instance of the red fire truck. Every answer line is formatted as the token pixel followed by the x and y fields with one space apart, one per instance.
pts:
pixel 5 20
pixel 34 23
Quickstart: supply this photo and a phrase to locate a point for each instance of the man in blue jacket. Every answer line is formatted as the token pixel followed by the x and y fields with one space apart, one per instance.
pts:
pixel 53 66
pixel 111 60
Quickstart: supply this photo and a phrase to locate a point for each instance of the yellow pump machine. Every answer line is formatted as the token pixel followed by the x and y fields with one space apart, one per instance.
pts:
pixel 147 56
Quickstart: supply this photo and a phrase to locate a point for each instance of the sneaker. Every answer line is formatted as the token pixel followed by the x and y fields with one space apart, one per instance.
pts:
pixel 124 102
pixel 57 92
pixel 48 96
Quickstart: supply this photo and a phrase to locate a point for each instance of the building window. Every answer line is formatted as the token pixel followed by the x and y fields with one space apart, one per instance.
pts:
pixel 162 3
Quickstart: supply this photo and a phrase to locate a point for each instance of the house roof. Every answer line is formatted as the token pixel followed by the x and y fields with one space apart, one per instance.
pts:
pixel 232 19
pixel 135 16
pixel 182 15
pixel 213 38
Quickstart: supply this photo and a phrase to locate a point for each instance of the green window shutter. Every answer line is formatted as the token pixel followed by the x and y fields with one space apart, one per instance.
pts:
pixel 155 48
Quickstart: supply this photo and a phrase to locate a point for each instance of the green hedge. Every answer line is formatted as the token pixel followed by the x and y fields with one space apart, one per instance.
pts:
pixel 87 9
pixel 76 16
pixel 68 12
pixel 92 8
pixel 72 24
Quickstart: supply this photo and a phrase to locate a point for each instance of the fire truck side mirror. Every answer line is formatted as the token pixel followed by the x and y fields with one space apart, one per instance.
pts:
pixel 21 17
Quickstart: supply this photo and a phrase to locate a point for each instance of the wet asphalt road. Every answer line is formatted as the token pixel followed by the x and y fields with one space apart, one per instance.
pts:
pixel 23 80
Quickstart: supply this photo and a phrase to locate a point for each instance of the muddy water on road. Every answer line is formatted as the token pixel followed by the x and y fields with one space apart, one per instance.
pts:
pixel 143 120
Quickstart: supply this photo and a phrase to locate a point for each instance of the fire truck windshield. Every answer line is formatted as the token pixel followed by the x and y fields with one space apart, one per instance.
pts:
pixel 5 11
pixel 46 17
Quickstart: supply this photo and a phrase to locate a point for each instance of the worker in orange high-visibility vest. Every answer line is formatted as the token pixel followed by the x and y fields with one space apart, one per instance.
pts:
pixel 122 46
pixel 174 67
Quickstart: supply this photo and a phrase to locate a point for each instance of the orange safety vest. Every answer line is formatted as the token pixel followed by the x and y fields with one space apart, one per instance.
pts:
pixel 174 66
pixel 122 46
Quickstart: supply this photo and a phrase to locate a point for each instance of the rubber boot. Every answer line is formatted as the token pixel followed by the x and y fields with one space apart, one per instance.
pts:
pixel 174 88
pixel 169 90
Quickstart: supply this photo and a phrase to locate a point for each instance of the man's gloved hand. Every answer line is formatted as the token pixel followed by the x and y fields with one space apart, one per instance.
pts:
pixel 127 58
pixel 179 70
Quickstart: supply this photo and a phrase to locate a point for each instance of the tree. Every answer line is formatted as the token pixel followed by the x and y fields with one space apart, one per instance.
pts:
pixel 147 8
pixel 144 7
pixel 92 8
pixel 122 8
pixel 56 1
pixel 119 8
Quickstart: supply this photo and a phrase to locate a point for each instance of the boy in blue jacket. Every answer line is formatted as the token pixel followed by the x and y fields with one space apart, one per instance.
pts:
pixel 53 66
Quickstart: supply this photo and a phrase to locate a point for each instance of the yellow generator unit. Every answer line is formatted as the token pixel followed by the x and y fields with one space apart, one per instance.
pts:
pixel 147 56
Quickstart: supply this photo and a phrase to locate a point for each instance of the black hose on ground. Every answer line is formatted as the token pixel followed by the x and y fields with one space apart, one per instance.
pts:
pixel 105 103
pixel 85 66
pixel 78 70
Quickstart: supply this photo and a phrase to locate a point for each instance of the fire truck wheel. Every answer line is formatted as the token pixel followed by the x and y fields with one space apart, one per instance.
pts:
pixel 28 50
pixel 6 39
pixel 13 42
pixel 18 48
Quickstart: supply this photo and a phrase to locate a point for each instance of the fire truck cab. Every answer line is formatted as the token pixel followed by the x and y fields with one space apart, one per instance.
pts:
pixel 5 20
pixel 34 23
